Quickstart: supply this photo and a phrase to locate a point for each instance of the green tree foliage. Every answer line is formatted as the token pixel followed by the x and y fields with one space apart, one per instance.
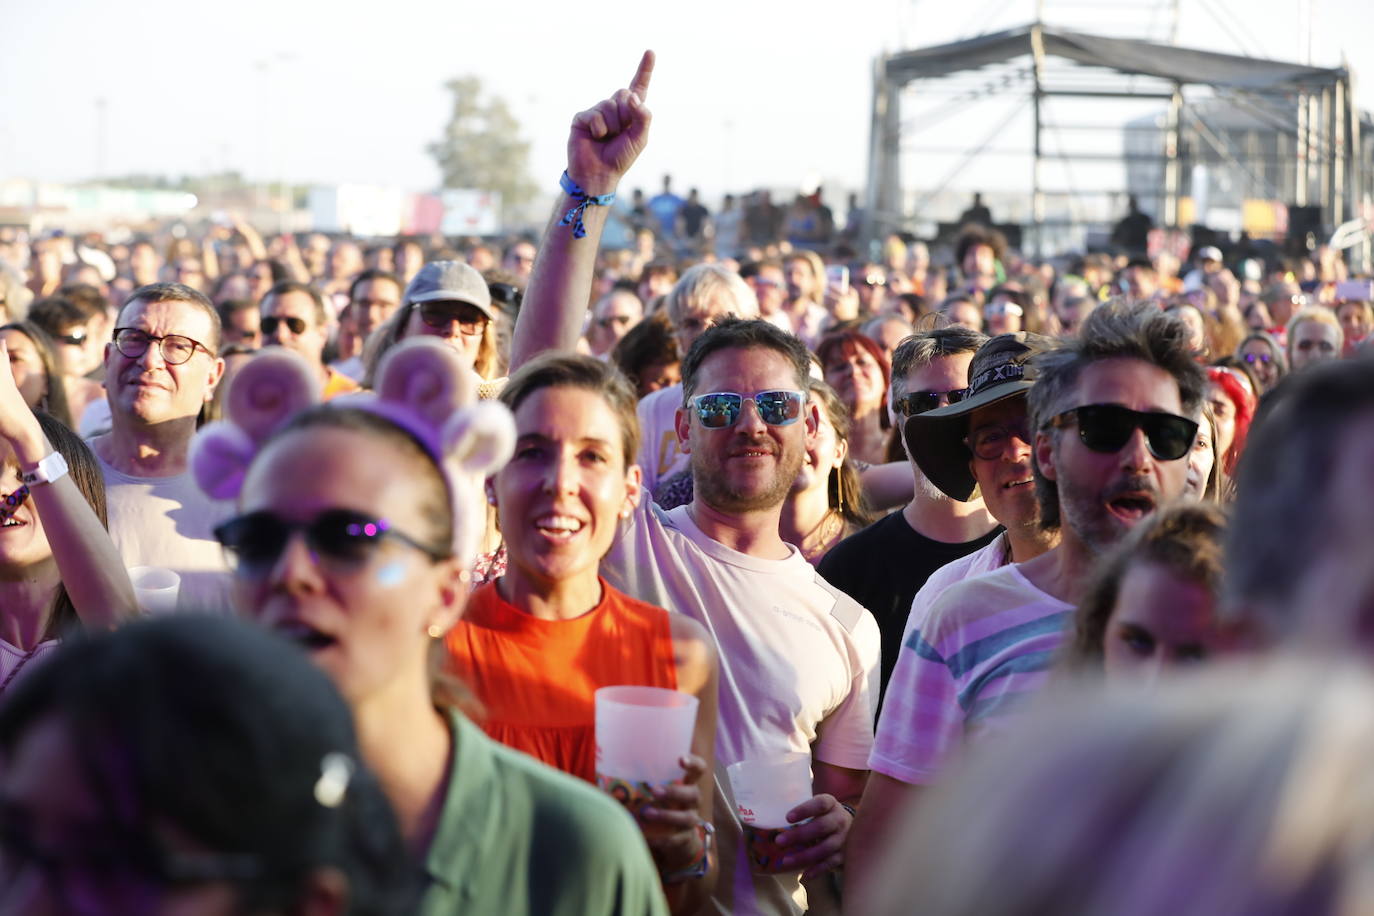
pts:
pixel 481 147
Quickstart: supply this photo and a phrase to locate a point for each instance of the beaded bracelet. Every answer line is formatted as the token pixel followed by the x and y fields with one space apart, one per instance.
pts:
pixel 584 200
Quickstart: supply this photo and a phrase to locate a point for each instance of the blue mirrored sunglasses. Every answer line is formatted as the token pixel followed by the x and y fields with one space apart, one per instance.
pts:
pixel 721 409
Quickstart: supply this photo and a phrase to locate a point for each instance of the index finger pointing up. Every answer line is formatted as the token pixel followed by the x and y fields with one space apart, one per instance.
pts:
pixel 640 84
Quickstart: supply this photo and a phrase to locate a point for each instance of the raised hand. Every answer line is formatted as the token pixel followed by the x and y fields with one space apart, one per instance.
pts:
pixel 607 138
pixel 17 423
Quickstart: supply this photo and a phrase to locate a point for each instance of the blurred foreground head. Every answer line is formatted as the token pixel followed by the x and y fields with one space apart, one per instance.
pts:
pixel 191 762
pixel 1228 792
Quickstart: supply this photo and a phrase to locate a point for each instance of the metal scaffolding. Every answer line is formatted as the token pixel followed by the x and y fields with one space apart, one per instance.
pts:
pixel 1314 106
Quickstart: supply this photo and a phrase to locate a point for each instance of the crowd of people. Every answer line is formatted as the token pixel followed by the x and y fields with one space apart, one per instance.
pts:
pixel 959 525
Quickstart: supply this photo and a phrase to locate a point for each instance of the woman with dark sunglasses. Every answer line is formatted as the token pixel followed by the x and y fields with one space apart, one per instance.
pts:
pixel 359 520
pixel 538 642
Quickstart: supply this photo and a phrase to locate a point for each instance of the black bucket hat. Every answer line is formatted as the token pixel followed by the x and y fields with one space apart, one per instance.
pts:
pixel 999 370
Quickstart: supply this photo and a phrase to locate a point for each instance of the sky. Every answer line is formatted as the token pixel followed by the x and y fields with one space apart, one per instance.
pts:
pixel 747 93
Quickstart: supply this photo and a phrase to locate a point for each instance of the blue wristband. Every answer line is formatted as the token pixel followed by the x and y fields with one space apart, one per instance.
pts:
pixel 574 216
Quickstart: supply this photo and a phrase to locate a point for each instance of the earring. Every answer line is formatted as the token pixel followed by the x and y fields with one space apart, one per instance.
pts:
pixel 434 630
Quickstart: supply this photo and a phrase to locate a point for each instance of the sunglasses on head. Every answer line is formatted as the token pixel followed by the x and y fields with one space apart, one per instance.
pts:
pixel 1107 428
pixel 909 405
pixel 721 409
pixel 272 322
pixel 340 538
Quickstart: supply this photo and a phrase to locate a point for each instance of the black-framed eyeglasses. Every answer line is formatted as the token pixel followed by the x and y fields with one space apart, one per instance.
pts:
pixel 722 409
pixel 175 348
pixel 469 318
pixel 339 538
pixel 990 442
pixel 1106 428
pixel 915 402
pixel 294 324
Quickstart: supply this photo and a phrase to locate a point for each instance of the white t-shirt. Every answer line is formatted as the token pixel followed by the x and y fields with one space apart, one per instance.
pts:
pixel 659 454
pixel 798 665
pixel 985 645
pixel 169 522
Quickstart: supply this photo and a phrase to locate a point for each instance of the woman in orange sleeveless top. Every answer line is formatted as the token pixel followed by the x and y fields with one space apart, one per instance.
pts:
pixel 535 644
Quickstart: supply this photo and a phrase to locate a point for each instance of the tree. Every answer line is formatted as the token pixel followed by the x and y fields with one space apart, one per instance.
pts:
pixel 481 148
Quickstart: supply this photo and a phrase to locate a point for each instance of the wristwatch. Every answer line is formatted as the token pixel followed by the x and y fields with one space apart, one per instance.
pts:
pixel 697 869
pixel 49 469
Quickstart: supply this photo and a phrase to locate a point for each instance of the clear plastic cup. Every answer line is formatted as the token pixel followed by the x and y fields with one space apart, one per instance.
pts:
pixel 765 789
pixel 155 588
pixel 641 734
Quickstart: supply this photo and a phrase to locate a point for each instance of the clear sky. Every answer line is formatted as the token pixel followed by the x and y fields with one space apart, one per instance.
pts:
pixel 746 93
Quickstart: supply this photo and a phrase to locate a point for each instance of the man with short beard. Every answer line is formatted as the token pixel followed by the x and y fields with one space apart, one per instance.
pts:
pixel 1109 415
pixel 798 659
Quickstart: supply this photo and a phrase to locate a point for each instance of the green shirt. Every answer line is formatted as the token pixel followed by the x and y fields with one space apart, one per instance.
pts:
pixel 517 837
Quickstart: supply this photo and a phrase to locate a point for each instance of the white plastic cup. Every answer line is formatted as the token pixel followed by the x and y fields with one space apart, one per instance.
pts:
pixel 155 588
pixel 642 733
pixel 766 788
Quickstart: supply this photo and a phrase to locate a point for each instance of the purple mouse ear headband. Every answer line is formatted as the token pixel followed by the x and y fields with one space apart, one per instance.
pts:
pixel 423 386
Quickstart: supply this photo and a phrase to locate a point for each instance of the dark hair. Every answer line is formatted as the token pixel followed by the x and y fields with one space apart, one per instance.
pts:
pixel 373 273
pixel 276 268
pixel 294 286
pixel 844 490
pixel 1114 330
pixel 58 314
pixel 178 292
pixel 226 734
pixel 974 236
pixel 743 334
pixel 569 370
pixel 55 402
pixel 85 473
pixel 86 297
pixel 646 344
pixel 231 307
pixel 924 347
pixel 1186 539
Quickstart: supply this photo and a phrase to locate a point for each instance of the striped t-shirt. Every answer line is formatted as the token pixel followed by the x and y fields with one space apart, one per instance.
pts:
pixel 986 644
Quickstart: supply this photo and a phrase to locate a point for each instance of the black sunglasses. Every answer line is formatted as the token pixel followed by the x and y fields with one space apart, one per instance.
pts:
pixel 909 405
pixel 341 538
pixel 1107 428
pixel 272 322
pixel 76 338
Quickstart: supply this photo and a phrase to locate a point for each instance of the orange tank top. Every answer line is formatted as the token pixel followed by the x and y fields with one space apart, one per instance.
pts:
pixel 536 678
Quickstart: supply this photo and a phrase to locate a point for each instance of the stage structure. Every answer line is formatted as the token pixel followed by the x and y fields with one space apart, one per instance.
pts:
pixel 1313 107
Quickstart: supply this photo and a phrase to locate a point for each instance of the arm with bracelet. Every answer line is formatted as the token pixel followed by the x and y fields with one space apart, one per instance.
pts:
pixel 86 559
pixel 605 140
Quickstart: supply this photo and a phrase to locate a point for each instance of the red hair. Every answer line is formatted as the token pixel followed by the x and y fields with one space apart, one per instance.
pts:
pixel 1236 388
pixel 846 342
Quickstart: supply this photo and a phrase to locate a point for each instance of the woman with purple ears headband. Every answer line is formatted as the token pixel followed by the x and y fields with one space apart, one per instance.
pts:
pixel 358 522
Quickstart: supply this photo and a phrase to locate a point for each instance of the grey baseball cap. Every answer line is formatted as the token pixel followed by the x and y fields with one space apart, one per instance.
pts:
pixel 450 281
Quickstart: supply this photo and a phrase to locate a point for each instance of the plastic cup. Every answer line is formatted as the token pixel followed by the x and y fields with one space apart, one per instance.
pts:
pixel 765 789
pixel 641 734
pixel 155 588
